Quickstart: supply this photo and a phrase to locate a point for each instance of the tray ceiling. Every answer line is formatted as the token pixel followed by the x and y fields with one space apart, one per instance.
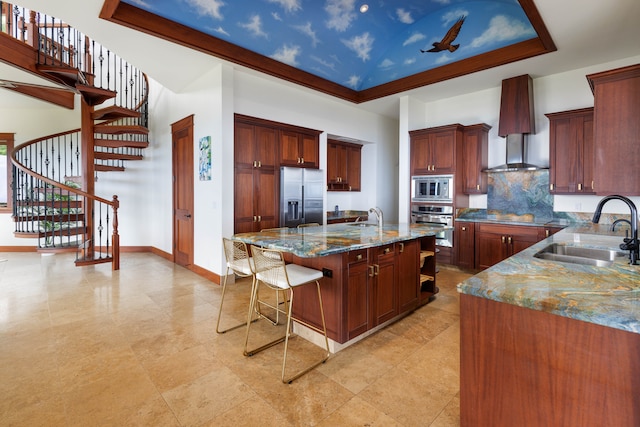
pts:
pixel 355 50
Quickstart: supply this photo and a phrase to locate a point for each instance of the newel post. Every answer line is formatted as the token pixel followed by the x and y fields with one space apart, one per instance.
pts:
pixel 115 240
pixel 33 35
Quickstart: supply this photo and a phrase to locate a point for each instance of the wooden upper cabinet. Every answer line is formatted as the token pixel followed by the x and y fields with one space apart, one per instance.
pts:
pixel 616 131
pixel 516 106
pixel 255 146
pixel 571 155
pixel 473 159
pixel 433 150
pixel 343 166
pixel 299 149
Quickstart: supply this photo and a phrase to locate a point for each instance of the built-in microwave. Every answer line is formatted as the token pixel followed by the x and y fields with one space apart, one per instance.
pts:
pixel 432 188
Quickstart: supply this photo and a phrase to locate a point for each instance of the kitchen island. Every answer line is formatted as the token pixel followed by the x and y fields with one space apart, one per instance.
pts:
pixel 552 343
pixel 372 276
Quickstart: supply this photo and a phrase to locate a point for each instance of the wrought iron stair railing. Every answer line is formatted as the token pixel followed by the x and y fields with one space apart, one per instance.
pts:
pixel 47 202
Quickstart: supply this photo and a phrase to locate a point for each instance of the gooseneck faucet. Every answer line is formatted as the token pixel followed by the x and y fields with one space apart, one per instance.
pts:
pixel 378 213
pixel 630 244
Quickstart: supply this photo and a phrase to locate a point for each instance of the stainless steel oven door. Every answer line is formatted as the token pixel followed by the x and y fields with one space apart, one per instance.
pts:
pixel 444 237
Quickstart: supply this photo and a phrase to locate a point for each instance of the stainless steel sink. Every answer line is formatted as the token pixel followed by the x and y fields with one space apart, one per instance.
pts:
pixel 579 255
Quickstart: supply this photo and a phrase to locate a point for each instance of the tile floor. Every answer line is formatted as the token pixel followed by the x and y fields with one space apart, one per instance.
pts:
pixel 137 347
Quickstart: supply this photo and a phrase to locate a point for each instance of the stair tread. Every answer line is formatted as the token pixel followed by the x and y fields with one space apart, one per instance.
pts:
pixel 95 95
pixel 118 143
pixel 99 155
pixel 105 168
pixel 114 112
pixel 120 129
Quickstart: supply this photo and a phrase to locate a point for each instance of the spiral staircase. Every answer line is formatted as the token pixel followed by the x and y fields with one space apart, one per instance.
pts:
pixel 53 177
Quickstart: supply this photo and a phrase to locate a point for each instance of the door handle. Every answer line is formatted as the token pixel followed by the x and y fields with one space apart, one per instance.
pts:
pixel 509 240
pixel 401 247
pixel 371 271
pixel 376 269
pixel 188 215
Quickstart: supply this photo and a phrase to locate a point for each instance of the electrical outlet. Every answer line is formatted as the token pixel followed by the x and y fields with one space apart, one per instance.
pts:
pixel 327 273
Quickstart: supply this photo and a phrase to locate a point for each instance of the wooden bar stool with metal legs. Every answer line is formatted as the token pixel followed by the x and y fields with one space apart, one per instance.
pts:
pixel 241 264
pixel 272 271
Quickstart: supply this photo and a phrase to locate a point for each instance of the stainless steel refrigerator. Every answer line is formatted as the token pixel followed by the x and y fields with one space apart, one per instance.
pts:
pixel 301 192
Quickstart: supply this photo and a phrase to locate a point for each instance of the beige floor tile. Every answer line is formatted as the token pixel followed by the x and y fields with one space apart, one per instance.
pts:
pixel 207 397
pixel 137 347
pixel 357 412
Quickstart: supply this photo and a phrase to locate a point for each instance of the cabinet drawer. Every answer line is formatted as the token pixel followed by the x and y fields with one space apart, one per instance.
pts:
pixel 357 256
pixel 518 230
pixel 382 251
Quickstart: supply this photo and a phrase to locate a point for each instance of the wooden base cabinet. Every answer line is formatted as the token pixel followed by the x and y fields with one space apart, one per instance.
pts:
pixel 364 288
pixel 522 367
pixel 464 237
pixel 496 242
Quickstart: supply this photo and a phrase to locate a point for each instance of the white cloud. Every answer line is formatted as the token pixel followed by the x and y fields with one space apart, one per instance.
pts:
pixel 221 30
pixel 442 1
pixel 453 16
pixel 308 31
pixel 502 29
pixel 409 61
pixel 416 37
pixel 207 7
pixel 142 3
pixel 341 13
pixel 287 54
pixel 404 16
pixel 386 63
pixel 443 58
pixel 326 64
pixel 276 16
pixel 361 45
pixel 288 5
pixel 353 81
pixel 255 26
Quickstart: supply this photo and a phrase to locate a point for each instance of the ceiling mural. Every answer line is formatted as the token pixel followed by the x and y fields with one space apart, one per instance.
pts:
pixel 356 44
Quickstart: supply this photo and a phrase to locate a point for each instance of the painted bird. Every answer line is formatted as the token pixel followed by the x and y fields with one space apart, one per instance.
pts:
pixel 445 43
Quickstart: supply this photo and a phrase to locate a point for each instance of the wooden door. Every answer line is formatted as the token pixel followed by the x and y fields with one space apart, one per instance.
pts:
pixel 290 149
pixel 354 158
pixel 357 294
pixel 420 154
pixel 443 146
pixel 182 137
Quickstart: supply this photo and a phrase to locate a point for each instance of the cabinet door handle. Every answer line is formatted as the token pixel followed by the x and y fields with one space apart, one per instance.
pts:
pixel 255 218
pixel 546 232
pixel 359 257
pixel 376 269
pixel 259 218
pixel 255 164
pixel 401 247
pixel 504 239
pixel 371 271
pixel 509 240
pixel 551 187
pixel 387 250
pixel 464 228
pixel 580 187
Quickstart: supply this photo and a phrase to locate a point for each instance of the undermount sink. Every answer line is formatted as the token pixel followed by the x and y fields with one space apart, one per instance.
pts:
pixel 362 224
pixel 579 255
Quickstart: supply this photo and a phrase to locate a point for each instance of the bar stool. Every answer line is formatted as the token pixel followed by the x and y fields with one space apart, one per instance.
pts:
pixel 241 264
pixel 272 271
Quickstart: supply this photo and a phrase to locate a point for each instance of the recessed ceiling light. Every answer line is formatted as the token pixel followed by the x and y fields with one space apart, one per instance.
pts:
pixel 364 8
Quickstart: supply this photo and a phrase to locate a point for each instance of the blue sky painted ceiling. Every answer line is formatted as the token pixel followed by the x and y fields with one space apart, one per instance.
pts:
pixel 334 40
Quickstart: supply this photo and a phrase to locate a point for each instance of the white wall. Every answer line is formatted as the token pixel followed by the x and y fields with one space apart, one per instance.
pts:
pixel 273 100
pixel 559 92
pixel 27 125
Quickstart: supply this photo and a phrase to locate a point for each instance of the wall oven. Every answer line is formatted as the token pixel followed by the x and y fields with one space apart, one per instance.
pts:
pixel 432 188
pixel 437 216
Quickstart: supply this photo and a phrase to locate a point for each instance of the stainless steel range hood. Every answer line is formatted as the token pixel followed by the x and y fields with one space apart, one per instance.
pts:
pixel 516 123
pixel 516 157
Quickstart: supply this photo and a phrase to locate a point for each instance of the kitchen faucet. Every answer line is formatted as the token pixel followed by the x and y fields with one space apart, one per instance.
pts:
pixel 378 213
pixel 630 244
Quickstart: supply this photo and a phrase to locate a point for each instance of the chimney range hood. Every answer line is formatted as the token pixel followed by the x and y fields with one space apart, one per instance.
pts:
pixel 516 122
